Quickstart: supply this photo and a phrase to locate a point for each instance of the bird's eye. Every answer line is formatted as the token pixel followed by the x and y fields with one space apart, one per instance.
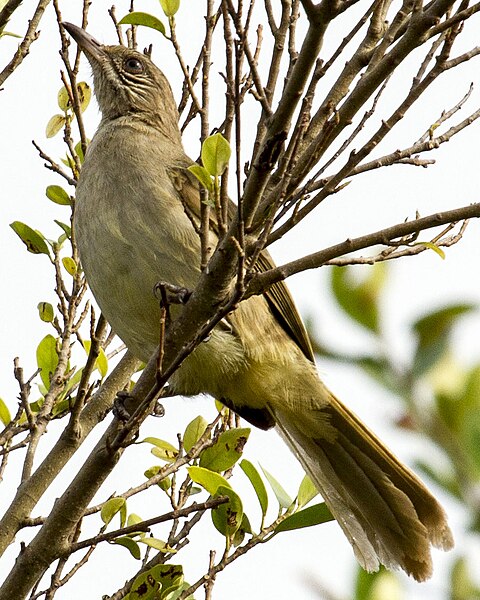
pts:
pixel 133 65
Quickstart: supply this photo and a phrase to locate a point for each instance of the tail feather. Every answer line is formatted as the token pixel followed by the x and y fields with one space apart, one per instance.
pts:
pixel 385 511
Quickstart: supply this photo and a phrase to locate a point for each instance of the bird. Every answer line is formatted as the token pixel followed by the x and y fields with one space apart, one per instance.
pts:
pixel 133 229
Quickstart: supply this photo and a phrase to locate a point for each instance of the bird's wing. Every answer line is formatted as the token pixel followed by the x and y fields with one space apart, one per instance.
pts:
pixel 278 295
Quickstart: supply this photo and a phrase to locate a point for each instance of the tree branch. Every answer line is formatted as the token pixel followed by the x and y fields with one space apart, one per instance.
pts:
pixel 262 281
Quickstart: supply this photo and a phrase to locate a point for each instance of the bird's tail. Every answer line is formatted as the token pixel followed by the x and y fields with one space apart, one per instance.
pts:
pixel 386 512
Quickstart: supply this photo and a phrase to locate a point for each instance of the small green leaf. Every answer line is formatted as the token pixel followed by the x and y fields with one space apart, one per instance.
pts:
pixel 69 265
pixel 54 125
pixel 193 432
pixel 306 492
pixel 226 451
pixel 159 545
pixel 257 483
pixel 145 19
pixel 47 358
pixel 111 508
pixel 215 154
pixel 165 484
pixel 84 95
pixel 79 151
pixel 5 416
pixel 283 498
pixel 63 99
pixel 9 33
pixel 152 471
pixel 431 246
pixel 34 241
pixel 66 228
pixel 244 529
pixel 202 175
pixel 170 7
pixel 134 519
pixel 209 480
pixel 101 363
pixel 308 517
pixel 57 194
pixel 45 311
pixel 131 546
pixel 227 517
pixel 162 449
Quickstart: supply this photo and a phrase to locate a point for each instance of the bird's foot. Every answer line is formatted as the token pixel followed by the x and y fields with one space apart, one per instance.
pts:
pixel 124 406
pixel 169 293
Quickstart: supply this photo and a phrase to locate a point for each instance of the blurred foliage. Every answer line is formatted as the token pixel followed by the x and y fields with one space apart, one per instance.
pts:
pixel 440 399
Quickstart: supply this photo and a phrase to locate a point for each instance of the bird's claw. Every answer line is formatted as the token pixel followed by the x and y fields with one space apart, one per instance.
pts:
pixel 169 293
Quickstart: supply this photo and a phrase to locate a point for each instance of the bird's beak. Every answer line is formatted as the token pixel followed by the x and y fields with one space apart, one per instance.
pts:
pixel 93 49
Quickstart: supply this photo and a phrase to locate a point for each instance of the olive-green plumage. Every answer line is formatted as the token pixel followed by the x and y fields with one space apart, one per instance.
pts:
pixel 132 231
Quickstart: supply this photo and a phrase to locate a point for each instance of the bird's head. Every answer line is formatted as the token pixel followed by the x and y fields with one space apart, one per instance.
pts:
pixel 127 82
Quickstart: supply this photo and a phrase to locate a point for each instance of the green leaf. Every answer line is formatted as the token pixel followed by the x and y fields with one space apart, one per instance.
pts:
pixel 177 593
pixel 159 545
pixel 47 358
pixel 54 125
pixel 162 449
pixel 360 300
pixel 66 228
pixel 69 265
pixel 439 323
pixel 257 483
pixel 145 19
pixel 84 95
pixel 79 151
pixel 215 154
pixel 152 471
pixel 283 498
pixel 145 587
pixel 157 583
pixel 131 546
pixel 45 311
pixel 306 492
pixel 433 332
pixel 202 175
pixel 170 7
pixel 381 585
pixel 111 508
pixel 244 529
pixel 308 517
pixel 226 451
pixel 57 194
pixel 462 585
pixel 209 480
pixel 133 519
pixel 165 484
pixel 5 416
pixel 193 432
pixel 33 240
pixel 101 363
pixel 63 99
pixel 431 246
pixel 227 517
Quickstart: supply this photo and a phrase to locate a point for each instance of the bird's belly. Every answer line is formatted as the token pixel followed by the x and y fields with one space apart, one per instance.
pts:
pixel 124 258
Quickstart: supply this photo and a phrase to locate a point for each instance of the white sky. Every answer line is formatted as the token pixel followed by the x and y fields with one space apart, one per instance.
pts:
pixel 372 201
